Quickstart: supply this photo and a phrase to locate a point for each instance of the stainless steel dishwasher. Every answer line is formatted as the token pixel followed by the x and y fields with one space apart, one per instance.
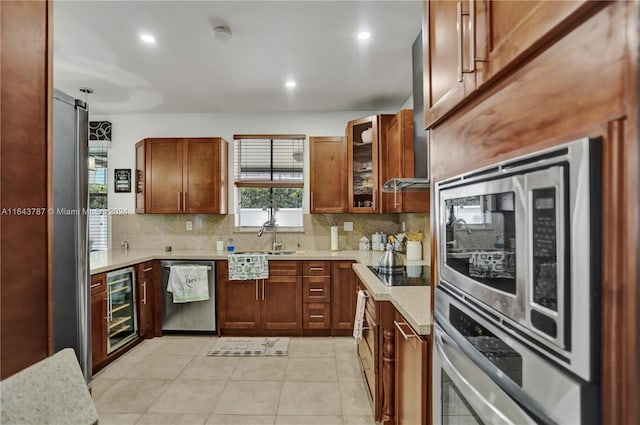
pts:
pixel 197 316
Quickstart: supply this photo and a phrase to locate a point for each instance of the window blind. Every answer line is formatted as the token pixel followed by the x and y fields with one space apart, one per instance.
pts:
pixel 269 160
pixel 98 217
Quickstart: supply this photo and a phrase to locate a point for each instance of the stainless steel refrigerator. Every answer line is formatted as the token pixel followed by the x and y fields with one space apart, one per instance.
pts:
pixel 71 280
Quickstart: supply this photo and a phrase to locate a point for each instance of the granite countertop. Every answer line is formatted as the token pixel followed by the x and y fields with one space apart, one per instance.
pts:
pixel 413 302
pixel 52 391
pixel 104 261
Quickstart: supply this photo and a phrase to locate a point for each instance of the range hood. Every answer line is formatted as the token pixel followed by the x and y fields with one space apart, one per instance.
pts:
pixel 420 179
pixel 414 184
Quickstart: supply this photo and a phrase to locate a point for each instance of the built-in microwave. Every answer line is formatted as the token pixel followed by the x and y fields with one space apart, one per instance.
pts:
pixel 522 241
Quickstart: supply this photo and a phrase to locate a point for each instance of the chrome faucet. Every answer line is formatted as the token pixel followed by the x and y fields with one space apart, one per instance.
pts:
pixel 464 225
pixel 272 225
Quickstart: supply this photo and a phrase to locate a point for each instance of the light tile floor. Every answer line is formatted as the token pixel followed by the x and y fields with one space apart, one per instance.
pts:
pixel 170 380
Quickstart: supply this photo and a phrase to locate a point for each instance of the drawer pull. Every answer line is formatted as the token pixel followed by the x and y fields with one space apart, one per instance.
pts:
pixel 316 290
pixel 317 316
pixel 95 285
pixel 404 335
pixel 147 269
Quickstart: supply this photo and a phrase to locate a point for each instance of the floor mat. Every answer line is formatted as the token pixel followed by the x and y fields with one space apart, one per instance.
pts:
pixel 248 347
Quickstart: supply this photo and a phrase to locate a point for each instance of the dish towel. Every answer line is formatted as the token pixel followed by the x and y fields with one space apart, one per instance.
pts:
pixel 248 266
pixel 358 323
pixel 188 283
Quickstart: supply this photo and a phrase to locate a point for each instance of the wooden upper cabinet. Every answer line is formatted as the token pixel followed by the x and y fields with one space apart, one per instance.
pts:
pixel 469 42
pixel 139 177
pixel 509 30
pixel 181 176
pixel 362 163
pixel 397 161
pixel 204 175
pixel 328 175
pixel 446 41
pixel 163 169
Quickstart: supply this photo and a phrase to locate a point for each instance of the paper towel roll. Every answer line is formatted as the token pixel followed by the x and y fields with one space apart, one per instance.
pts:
pixel 334 238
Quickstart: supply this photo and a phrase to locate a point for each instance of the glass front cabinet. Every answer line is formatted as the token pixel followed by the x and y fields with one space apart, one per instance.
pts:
pixel 364 137
pixel 122 325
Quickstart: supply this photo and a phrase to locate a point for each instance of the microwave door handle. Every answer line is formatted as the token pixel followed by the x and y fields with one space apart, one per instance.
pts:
pixel 472 382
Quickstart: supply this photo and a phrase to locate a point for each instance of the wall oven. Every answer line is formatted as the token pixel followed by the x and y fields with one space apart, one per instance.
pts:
pixel 519 270
pixel 482 375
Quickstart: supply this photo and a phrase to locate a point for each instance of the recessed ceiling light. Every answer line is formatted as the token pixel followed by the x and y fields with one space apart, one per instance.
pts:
pixel 222 33
pixel 147 38
pixel 290 84
pixel 364 35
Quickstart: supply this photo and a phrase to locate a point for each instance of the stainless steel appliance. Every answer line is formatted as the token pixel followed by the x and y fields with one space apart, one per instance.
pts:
pixel 522 241
pixel 71 315
pixel 407 276
pixel 482 374
pixel 517 335
pixel 122 321
pixel 198 316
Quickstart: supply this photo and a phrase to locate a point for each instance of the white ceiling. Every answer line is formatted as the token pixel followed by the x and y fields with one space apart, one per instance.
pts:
pixel 96 44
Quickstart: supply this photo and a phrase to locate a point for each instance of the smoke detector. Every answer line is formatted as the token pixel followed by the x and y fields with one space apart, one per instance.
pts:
pixel 222 33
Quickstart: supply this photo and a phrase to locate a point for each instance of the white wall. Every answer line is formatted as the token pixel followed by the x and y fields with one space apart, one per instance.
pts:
pixel 129 129
pixel 408 104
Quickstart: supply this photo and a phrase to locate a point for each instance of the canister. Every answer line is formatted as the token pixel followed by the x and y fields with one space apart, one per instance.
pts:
pixel 414 250
pixel 376 242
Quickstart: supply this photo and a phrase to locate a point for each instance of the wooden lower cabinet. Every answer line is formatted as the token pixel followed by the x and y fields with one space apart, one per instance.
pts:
pixel 98 328
pixel 411 377
pixel 273 304
pixel 299 298
pixel 238 303
pixel 281 303
pixel 394 363
pixel 146 274
pixel 344 283
pixel 147 307
pixel 316 297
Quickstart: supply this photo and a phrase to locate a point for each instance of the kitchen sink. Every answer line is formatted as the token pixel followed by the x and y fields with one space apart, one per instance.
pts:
pixel 265 252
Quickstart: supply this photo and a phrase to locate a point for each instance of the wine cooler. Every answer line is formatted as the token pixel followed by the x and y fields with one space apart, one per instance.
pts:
pixel 122 323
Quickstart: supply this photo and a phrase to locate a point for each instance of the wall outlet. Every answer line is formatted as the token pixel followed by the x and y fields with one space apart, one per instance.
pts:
pixel 189 226
pixel 348 226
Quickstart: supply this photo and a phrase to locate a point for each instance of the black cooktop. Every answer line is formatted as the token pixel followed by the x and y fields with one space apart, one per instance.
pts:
pixel 410 276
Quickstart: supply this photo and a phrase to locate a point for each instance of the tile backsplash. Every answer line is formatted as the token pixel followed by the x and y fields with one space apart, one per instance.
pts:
pixel 155 231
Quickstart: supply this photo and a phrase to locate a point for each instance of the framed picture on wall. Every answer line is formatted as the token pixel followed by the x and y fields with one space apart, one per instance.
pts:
pixel 122 180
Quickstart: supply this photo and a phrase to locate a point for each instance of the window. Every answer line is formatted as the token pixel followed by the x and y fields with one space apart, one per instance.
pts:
pixel 98 217
pixel 269 169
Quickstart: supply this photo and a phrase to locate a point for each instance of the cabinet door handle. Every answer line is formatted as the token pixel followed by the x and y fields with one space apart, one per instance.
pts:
pixel 263 289
pixel 317 316
pixel 144 292
pixel 316 290
pixel 316 269
pixel 106 301
pixel 109 306
pixel 472 48
pixel 185 201
pixel 147 269
pixel 256 289
pixel 459 35
pixel 95 285
pixel 395 197
pixel 404 335
pixel 311 206
pixel 179 201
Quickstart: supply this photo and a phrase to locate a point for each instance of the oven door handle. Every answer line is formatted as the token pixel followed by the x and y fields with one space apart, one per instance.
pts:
pixel 489 402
